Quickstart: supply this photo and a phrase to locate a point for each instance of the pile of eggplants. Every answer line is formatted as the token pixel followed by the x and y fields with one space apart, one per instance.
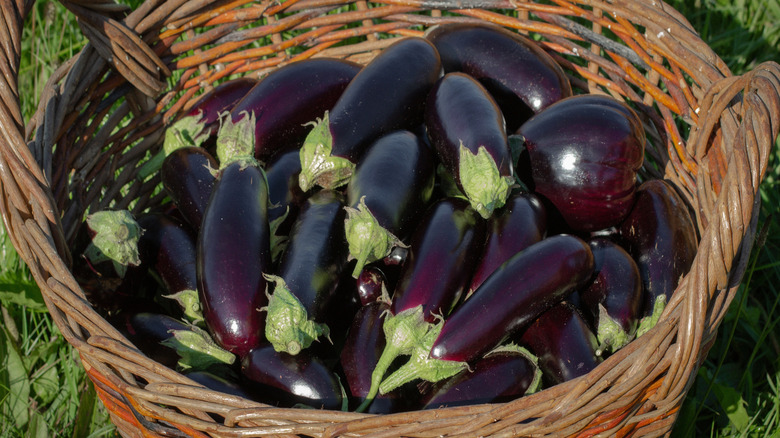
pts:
pixel 447 225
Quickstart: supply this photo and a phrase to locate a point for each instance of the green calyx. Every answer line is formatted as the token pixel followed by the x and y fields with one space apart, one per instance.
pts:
pixel 236 140
pixel 189 300
pixel 197 349
pixel 648 322
pixel 116 239
pixel 318 167
pixel 536 382
pixel 484 187
pixel 287 326
pixel 368 241
pixel 610 334
pixel 187 131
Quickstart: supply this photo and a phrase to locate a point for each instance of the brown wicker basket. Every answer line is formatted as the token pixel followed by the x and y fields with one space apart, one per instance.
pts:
pixel 104 112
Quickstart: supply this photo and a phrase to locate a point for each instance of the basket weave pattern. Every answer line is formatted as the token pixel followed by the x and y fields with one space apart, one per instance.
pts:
pixel 105 110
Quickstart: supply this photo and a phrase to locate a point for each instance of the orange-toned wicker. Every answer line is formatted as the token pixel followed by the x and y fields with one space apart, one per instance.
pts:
pixel 104 111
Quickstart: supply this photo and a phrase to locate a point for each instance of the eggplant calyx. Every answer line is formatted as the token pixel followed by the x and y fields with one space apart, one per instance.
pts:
pixel 482 183
pixel 648 322
pixel 115 239
pixel 536 382
pixel 422 366
pixel 187 131
pixel 197 349
pixel 236 140
pixel 189 300
pixel 368 241
pixel 278 241
pixel 287 326
pixel 318 166
pixel 610 334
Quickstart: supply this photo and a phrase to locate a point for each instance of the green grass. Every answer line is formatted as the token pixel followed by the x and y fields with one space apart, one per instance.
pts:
pixel 44 391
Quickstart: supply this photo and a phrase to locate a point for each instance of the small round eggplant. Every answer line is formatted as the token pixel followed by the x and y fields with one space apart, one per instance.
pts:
pixel 467 130
pixel 187 176
pixel 371 285
pixel 389 190
pixel 521 76
pixel 388 94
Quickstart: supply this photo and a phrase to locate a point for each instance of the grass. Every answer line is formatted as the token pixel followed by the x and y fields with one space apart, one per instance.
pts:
pixel 44 391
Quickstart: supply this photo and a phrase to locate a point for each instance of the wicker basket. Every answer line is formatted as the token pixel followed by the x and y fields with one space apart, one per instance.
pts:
pixel 105 110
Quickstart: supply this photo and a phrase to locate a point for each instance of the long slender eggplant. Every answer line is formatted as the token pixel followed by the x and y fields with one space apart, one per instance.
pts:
pixel 660 235
pixel 220 99
pixel 467 130
pixel 516 226
pixel 287 99
pixel 284 194
pixel 234 243
pixel 388 94
pixel 563 343
pixel 522 77
pixel 612 302
pixel 584 154
pixel 285 380
pixel 187 176
pixel 389 190
pixel 435 275
pixel 308 274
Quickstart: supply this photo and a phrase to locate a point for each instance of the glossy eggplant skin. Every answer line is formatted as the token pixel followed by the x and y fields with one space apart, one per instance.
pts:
pixel 526 285
pixel 233 252
pixel 284 380
pixel 584 154
pixel 283 189
pixel 169 248
pixel 517 225
pixel 563 343
pixel 522 77
pixel 287 99
pixel 660 235
pixel 221 98
pixel 187 178
pixel 442 251
pixel 496 378
pixel 370 283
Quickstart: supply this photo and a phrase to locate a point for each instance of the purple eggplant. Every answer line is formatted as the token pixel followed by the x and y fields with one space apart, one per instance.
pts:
pixel 371 285
pixel 285 380
pixel 287 99
pixel 584 154
pixel 521 76
pixel 660 235
pixel 284 194
pixel 220 99
pixel 389 190
pixel 467 130
pixel 612 302
pixel 387 95
pixel 308 274
pixel 563 343
pixel 187 176
pixel 234 244
pixel 501 376
pixel 516 226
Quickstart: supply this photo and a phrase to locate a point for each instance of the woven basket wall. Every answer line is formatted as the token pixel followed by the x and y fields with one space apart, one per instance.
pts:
pixel 103 113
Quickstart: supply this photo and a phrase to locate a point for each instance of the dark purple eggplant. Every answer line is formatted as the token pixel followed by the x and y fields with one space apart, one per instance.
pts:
pixel 308 274
pixel 371 285
pixel 516 226
pixel 435 275
pixel 563 343
pixel 526 285
pixel 234 244
pixel 501 376
pixel 584 153
pixel 187 176
pixel 660 235
pixel 612 302
pixel 284 194
pixel 389 190
pixel 522 77
pixel 467 130
pixel 387 95
pixel 287 99
pixel 285 380
pixel 220 99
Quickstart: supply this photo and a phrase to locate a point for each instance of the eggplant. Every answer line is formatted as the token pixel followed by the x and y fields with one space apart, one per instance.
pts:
pixel 285 380
pixel 563 343
pixel 284 194
pixel 308 274
pixel 467 130
pixel 288 98
pixel 387 95
pixel 501 376
pixel 233 247
pixel 612 302
pixel 435 275
pixel 516 226
pixel 371 285
pixel 222 98
pixel 391 186
pixel 522 78
pixel 660 235
pixel 584 153
pixel 187 176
